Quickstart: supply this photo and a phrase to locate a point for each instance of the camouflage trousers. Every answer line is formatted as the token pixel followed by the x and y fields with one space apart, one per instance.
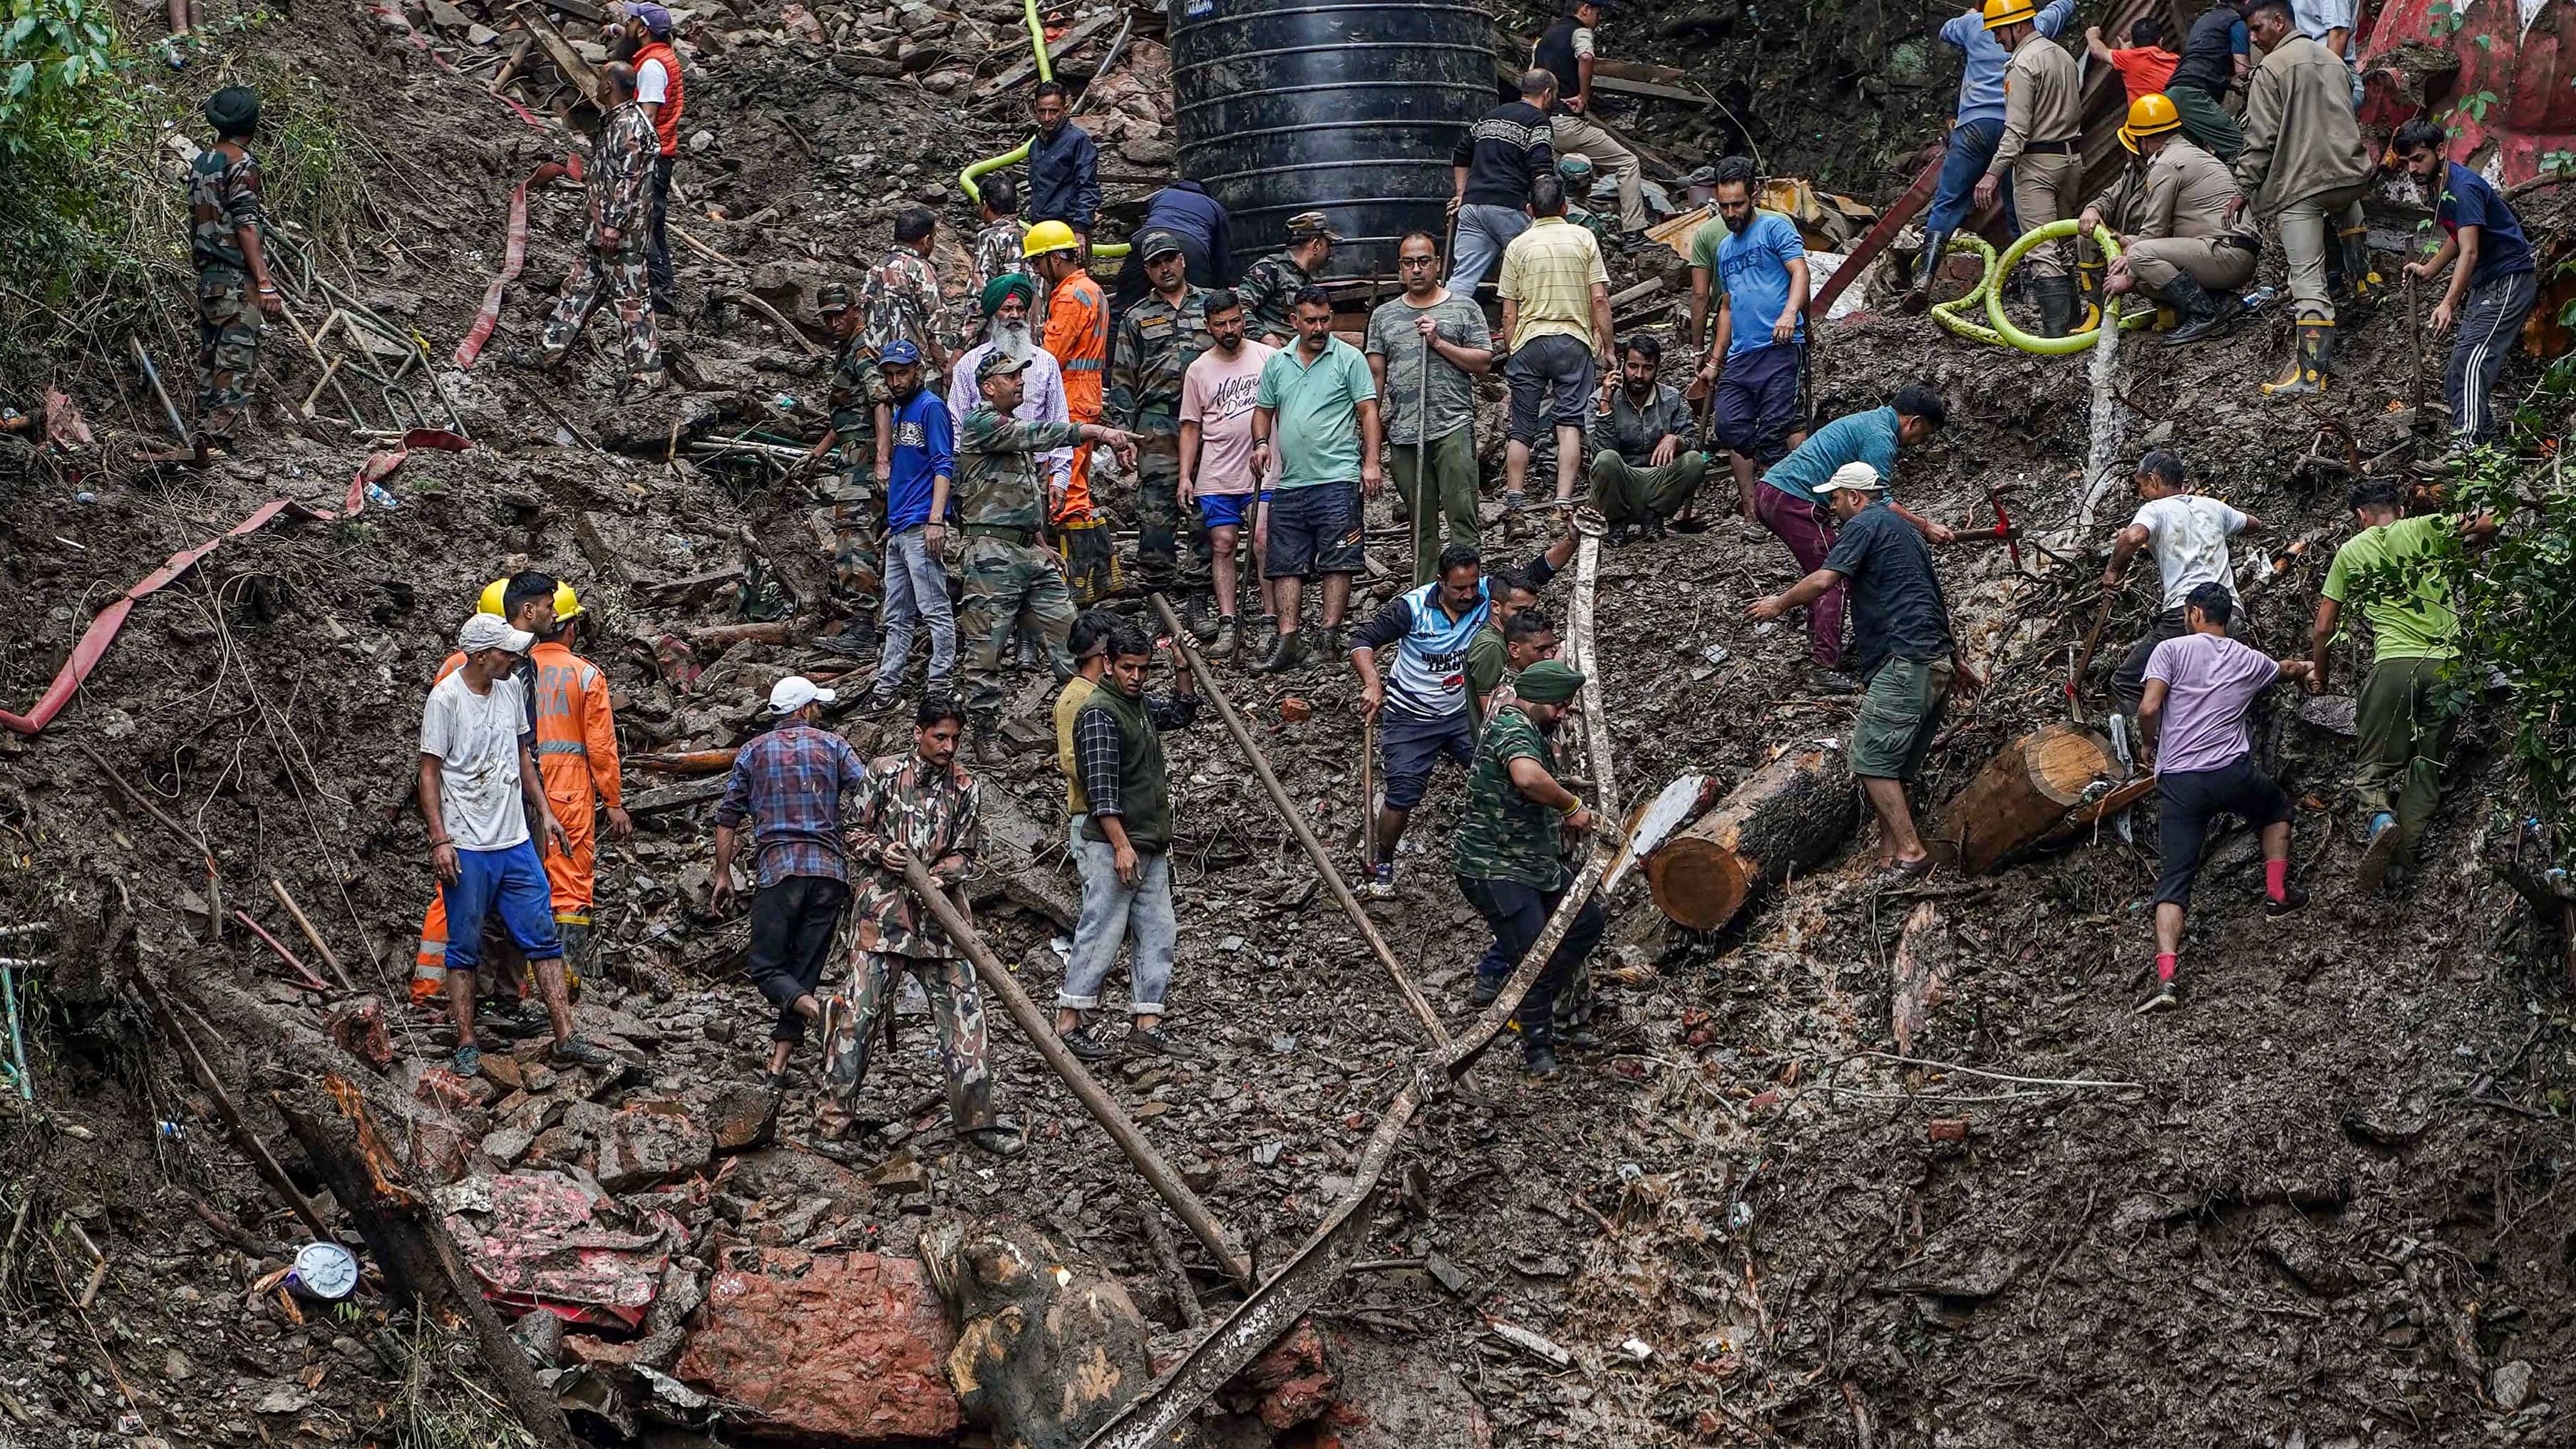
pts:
pixel 867 996
pixel 1161 523
pixel 616 277
pixel 1007 584
pixel 858 514
pixel 227 349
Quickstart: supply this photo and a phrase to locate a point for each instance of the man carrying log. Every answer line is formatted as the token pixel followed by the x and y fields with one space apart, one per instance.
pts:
pixel 2392 571
pixel 1509 853
pixel 1908 658
pixel 921 806
pixel 2194 718
pixel 2188 535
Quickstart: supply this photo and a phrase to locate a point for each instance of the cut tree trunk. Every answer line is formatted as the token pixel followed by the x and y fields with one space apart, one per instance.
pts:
pixel 1785 817
pixel 2022 794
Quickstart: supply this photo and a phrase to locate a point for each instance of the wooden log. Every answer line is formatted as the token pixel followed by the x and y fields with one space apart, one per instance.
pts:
pixel 1786 816
pixel 2022 794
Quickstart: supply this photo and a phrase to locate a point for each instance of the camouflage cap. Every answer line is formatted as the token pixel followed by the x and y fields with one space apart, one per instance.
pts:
pixel 833 299
pixel 996 363
pixel 1704 176
pixel 1156 242
pixel 1308 225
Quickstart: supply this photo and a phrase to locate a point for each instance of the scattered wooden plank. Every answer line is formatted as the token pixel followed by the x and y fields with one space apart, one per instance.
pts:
pixel 1062 46
pixel 672 797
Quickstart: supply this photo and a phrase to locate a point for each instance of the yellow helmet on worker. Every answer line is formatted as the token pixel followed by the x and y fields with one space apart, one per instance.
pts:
pixel 1048 236
pixel 567 603
pixel 2000 13
pixel 2152 114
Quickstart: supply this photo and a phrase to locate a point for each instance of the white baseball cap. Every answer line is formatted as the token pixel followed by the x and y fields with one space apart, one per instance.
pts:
pixel 795 692
pixel 490 631
pixel 1858 477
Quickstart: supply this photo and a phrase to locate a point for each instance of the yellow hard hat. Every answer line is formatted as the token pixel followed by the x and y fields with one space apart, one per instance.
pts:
pixel 1048 236
pixel 567 603
pixel 490 603
pixel 2000 13
pixel 2152 114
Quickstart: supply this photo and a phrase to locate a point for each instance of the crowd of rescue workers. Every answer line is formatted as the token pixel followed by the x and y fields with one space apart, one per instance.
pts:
pixel 1256 435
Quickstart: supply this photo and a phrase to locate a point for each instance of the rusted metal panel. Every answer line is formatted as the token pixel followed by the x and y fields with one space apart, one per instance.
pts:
pixel 2526 69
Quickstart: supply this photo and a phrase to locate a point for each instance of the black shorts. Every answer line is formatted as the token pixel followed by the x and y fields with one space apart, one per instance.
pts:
pixel 1410 747
pixel 1314 530
pixel 1553 381
pixel 2191 799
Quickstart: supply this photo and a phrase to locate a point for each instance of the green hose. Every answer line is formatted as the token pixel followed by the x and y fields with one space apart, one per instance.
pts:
pixel 1017 154
pixel 1989 289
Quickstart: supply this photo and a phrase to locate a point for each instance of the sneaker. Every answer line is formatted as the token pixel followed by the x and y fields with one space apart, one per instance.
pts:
pixel 468 1062
pixel 1831 681
pixel 1085 1045
pixel 1618 536
pixel 1379 883
pixel 573 1051
pixel 1288 653
pixel 1156 1043
pixel 1538 1062
pixel 1224 643
pixel 1577 1036
pixel 2292 898
pixel 2168 996
pixel 880 700
pixel 2380 851
pixel 1482 994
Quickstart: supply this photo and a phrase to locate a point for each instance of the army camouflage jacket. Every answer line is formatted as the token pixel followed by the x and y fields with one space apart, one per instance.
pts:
pixel 223 197
pixel 935 816
pixel 1269 290
pixel 857 387
pixel 900 299
pixel 621 173
pixel 1155 345
pixel 998 466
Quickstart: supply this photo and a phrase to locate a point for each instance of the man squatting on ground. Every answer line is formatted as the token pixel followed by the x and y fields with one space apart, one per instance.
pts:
pixel 2195 721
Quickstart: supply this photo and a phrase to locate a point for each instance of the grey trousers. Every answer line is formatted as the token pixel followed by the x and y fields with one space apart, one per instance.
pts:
pixel 2305 235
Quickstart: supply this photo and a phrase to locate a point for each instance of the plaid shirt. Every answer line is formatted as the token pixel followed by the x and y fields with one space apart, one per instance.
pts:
pixel 1095 746
pixel 788 783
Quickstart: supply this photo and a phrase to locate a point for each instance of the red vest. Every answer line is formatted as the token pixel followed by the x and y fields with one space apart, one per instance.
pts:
pixel 666 121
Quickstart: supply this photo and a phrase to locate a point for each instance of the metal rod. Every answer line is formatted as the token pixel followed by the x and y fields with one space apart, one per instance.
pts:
pixel 1315 852
pixel 152 375
pixel 1034 1025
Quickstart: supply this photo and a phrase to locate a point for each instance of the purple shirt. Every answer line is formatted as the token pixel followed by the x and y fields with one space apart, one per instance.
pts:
pixel 2210 683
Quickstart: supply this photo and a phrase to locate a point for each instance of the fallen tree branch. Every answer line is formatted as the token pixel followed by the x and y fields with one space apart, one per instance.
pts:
pixel 262 1161
pixel 1331 876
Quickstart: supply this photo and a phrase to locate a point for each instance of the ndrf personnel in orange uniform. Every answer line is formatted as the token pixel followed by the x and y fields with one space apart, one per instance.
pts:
pixel 1077 337
pixel 575 745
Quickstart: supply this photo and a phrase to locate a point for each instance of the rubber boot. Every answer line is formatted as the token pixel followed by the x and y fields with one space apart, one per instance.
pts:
pixel 2358 275
pixel 2056 298
pixel 2089 277
pixel 1936 245
pixel 2307 374
pixel 2199 314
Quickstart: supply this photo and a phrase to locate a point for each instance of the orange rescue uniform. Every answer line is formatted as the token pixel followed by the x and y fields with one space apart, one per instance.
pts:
pixel 576 751
pixel 1077 337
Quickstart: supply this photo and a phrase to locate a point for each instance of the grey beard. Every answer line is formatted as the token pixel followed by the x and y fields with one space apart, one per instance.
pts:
pixel 1013 342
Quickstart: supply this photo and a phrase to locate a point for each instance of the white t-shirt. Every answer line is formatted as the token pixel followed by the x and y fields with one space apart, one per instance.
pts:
pixel 652 83
pixel 476 739
pixel 2189 534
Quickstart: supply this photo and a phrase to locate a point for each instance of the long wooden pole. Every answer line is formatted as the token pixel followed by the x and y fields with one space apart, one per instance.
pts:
pixel 1314 848
pixel 1033 1024
pixel 330 957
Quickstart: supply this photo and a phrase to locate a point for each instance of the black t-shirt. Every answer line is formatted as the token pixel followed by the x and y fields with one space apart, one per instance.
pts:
pixel 2208 53
pixel 1502 152
pixel 1555 54
pixel 1896 602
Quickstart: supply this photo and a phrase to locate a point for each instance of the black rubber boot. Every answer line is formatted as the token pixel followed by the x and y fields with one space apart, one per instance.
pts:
pixel 2056 298
pixel 2307 374
pixel 2201 314
pixel 1927 267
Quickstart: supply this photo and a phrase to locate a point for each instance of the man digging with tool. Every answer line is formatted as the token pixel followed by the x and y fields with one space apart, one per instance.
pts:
pixel 2188 533
pixel 2194 721
pixel 1426 348
pixel 2493 285
pixel 226 227
pixel 1509 853
pixel 1125 855
pixel 1908 658
pixel 919 806
pixel 479 787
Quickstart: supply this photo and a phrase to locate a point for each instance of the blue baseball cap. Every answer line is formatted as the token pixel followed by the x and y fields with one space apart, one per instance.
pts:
pixel 656 18
pixel 900 351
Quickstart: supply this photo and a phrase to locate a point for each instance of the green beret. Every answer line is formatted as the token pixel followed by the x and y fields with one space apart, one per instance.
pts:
pixel 1003 285
pixel 1548 682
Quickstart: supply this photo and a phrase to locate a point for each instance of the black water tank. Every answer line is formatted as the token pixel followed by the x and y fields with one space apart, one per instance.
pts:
pixel 1349 107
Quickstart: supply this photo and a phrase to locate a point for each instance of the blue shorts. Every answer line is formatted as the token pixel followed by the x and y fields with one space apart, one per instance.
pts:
pixel 1410 747
pixel 1315 530
pixel 1228 510
pixel 512 881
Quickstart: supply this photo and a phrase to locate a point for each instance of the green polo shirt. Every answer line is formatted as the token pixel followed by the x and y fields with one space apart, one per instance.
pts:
pixel 1315 426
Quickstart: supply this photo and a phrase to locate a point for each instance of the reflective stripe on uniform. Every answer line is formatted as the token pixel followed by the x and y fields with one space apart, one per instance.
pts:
pixel 572 918
pixel 1087 364
pixel 562 747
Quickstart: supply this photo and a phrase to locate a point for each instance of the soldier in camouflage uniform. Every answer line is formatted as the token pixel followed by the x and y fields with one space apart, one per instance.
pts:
pixel 1157 341
pixel 900 295
pixel 224 233
pixel 1010 575
pixel 1576 172
pixel 996 251
pixel 861 407
pixel 921 806
pixel 620 181
pixel 1270 286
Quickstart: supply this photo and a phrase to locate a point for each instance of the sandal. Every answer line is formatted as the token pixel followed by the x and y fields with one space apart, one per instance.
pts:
pixel 1902 873
pixel 468 1061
